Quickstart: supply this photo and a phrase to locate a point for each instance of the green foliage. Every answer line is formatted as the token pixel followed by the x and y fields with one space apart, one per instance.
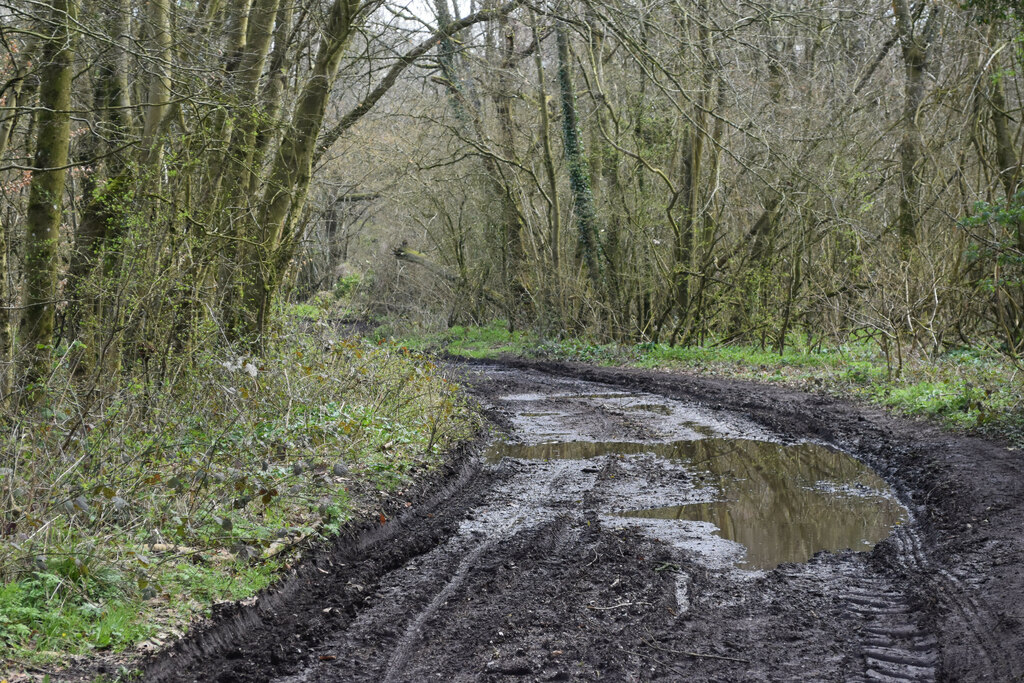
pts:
pixel 966 388
pixel 160 497
pixel 346 286
pixel 581 350
pixel 996 10
pixel 40 613
pixel 999 245
pixel 308 311
pixel 485 341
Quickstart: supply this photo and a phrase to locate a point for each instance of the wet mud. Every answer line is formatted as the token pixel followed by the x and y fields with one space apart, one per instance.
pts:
pixel 641 526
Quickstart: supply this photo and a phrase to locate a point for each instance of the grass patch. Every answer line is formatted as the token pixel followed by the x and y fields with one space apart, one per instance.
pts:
pixel 124 513
pixel 487 341
pixel 966 389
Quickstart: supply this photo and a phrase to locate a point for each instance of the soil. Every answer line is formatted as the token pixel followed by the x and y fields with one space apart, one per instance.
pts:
pixel 512 571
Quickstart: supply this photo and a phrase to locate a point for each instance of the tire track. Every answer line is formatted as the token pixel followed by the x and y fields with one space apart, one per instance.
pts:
pixel 403 649
pixel 992 662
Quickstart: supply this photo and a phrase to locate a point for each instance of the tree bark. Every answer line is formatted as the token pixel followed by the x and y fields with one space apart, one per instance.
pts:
pixel 579 175
pixel 554 212
pixel 917 51
pixel 53 126
pixel 6 329
pixel 160 82
pixel 291 171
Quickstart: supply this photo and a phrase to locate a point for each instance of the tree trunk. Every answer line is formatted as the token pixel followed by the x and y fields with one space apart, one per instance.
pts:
pixel 103 215
pixel 13 95
pixel 53 130
pixel 6 330
pixel 579 175
pixel 917 49
pixel 690 175
pixel 554 212
pixel 273 91
pixel 160 81
pixel 290 173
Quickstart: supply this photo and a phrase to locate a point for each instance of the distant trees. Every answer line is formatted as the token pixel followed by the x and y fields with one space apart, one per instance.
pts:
pixel 736 171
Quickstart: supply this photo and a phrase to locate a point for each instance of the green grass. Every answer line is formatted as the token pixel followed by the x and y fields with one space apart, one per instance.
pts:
pixel 135 509
pixel 967 390
pixel 485 341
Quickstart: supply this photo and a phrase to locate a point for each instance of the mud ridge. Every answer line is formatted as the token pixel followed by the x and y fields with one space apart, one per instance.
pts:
pixel 327 588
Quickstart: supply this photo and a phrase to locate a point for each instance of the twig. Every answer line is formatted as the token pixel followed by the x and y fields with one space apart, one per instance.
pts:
pixel 621 604
pixel 702 655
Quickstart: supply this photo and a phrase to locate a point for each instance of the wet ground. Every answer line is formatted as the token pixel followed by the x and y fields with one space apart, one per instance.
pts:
pixel 631 525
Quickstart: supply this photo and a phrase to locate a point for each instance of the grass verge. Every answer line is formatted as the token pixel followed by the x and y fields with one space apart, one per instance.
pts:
pixel 125 513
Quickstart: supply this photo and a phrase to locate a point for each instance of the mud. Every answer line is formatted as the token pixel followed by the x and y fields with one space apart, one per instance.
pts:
pixel 548 569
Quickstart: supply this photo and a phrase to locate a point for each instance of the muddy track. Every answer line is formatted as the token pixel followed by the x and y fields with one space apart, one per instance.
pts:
pixel 513 571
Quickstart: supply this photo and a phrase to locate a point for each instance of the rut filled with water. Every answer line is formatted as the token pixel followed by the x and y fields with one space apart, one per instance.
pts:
pixel 781 503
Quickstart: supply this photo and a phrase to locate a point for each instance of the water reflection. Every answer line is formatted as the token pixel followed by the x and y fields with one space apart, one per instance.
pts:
pixel 784 503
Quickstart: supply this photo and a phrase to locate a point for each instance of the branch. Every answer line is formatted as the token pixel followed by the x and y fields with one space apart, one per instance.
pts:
pixel 361 109
pixel 403 253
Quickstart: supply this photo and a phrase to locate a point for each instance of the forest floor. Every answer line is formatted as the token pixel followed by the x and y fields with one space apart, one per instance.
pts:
pixel 512 569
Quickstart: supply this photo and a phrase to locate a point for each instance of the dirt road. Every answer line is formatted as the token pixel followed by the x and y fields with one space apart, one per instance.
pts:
pixel 556 560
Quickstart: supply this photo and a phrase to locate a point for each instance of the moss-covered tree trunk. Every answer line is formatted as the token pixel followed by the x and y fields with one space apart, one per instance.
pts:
pixel 6 330
pixel 554 303
pixel 42 225
pixel 288 182
pixel 273 90
pixel 579 171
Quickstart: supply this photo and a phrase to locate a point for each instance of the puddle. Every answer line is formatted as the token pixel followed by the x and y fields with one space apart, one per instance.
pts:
pixel 565 397
pixel 659 408
pixel 781 503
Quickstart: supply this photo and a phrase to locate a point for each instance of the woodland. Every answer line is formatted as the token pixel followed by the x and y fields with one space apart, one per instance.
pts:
pixel 176 176
pixel 666 171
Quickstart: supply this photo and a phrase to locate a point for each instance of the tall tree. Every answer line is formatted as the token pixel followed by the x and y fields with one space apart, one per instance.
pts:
pixel 290 173
pixel 42 225
pixel 917 39
pixel 579 170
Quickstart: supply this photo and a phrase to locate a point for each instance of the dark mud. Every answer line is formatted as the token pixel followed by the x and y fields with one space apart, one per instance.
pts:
pixel 513 572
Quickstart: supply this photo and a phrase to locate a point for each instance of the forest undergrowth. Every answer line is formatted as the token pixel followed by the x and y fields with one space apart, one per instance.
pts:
pixel 126 510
